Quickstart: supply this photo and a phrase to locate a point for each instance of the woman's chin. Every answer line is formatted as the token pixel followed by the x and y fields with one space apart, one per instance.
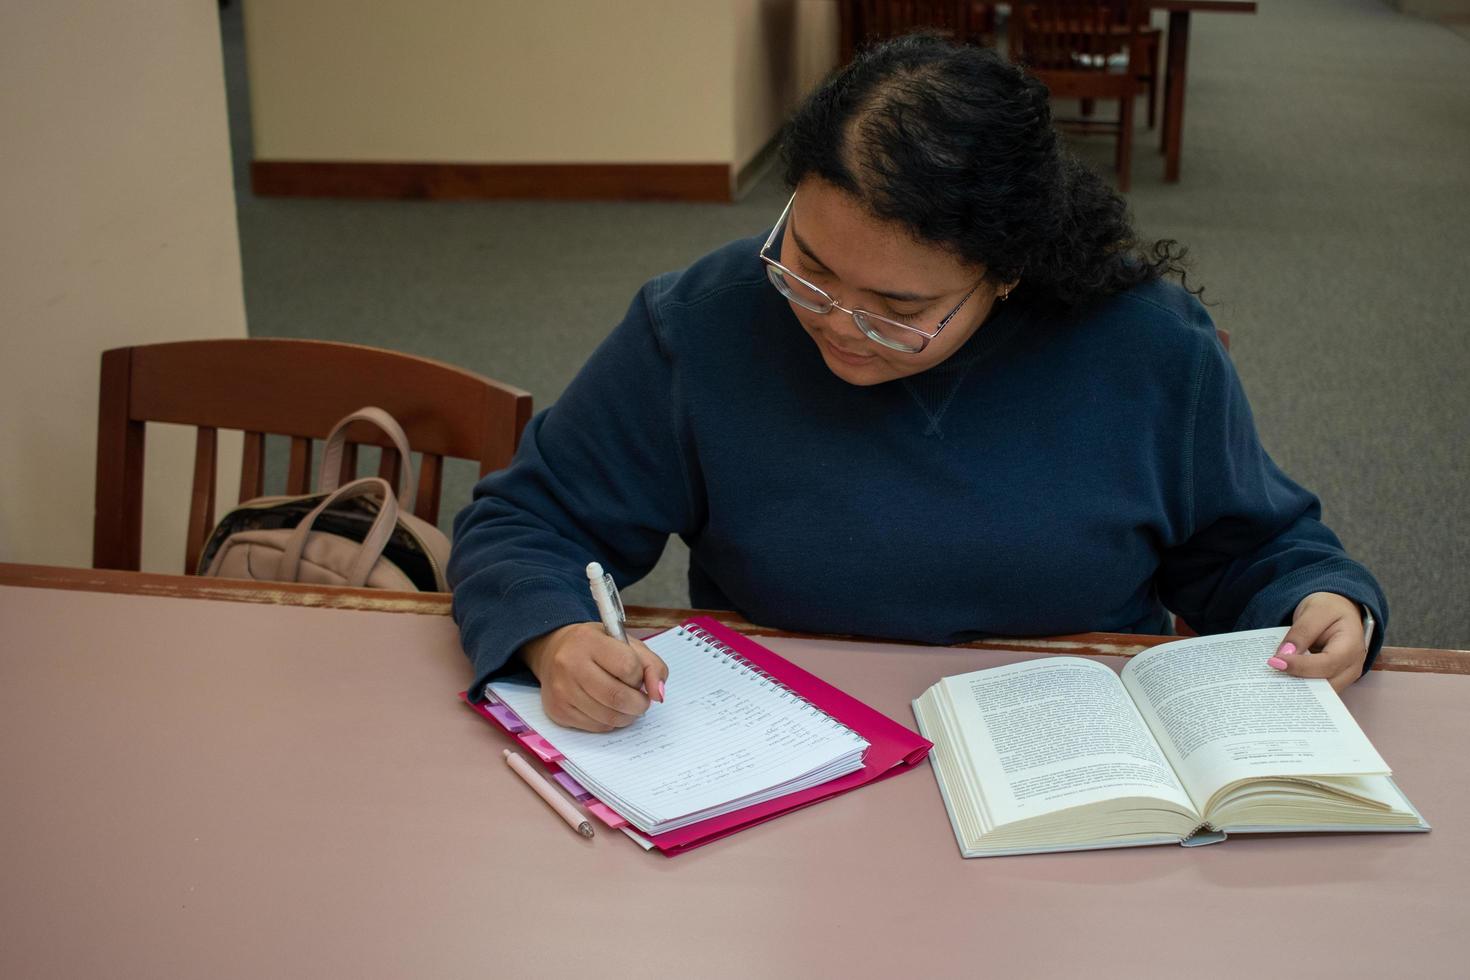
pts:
pixel 854 367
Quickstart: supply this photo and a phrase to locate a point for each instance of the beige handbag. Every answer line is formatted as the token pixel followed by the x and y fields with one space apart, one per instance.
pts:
pixel 359 534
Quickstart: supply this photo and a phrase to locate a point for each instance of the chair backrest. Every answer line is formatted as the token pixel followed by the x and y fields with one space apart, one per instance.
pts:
pixel 293 388
pixel 877 20
pixel 1068 43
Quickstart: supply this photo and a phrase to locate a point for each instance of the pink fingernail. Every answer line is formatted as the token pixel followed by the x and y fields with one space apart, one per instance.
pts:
pixel 1287 649
pixel 1277 662
pixel 661 690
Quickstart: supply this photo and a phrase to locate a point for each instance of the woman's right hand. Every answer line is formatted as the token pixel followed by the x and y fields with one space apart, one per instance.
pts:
pixel 590 680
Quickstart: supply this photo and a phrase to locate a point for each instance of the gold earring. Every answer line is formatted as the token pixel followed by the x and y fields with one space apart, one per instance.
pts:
pixel 1005 295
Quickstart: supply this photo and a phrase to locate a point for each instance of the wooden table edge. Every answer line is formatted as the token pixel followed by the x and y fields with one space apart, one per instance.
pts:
pixel 639 617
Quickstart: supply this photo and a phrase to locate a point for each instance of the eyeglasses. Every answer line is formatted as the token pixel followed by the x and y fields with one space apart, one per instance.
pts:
pixel 880 329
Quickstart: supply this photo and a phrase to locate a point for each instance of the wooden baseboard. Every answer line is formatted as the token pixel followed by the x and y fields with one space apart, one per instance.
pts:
pixel 483 181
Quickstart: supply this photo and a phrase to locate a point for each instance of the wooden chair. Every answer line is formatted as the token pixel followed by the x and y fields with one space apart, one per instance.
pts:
pixel 1150 41
pixel 864 21
pixel 1146 67
pixel 1070 45
pixel 292 388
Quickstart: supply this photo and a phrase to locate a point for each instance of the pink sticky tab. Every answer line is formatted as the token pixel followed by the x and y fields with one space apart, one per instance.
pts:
pixel 602 812
pixel 570 785
pixel 541 748
pixel 506 717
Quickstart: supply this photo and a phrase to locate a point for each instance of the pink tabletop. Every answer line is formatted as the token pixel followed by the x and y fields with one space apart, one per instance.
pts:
pixel 200 788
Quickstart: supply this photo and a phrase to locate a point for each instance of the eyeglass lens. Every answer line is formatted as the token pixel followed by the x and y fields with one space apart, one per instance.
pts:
pixel 889 334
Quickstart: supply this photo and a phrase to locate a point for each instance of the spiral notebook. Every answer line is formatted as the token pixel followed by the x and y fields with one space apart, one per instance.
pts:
pixel 743 736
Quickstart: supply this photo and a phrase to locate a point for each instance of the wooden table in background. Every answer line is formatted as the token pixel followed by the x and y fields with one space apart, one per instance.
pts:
pixel 226 779
pixel 1176 70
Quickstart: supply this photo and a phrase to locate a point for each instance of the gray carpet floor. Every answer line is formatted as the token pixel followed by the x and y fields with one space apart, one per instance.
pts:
pixel 1325 199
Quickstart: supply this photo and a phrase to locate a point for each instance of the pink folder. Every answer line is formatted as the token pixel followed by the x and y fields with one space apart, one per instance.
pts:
pixel 892 748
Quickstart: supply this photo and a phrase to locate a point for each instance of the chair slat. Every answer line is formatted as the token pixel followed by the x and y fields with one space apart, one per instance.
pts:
pixel 431 482
pixel 252 466
pixel 117 527
pixel 389 467
pixel 201 500
pixel 298 473
pixel 348 471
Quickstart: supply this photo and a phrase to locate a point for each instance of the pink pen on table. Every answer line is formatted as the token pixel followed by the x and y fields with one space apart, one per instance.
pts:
pixel 547 792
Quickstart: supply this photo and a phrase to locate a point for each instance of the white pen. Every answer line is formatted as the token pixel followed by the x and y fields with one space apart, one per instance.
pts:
pixel 609 603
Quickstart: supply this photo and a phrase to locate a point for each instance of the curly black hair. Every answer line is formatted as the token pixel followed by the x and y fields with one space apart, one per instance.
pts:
pixel 957 144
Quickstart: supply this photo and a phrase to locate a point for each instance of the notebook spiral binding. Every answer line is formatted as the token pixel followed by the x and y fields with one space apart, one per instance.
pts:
pixel 718 648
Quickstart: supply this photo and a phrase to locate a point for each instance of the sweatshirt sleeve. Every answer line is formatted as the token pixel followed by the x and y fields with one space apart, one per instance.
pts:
pixel 599 476
pixel 1257 545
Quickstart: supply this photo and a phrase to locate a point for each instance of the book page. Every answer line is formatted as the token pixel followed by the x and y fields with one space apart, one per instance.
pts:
pixel 1054 733
pixel 1221 714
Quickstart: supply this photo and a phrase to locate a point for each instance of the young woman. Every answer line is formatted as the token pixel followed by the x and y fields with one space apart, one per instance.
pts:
pixel 949 396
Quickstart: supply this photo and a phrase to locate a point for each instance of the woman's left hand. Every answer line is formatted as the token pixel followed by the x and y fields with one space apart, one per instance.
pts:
pixel 1325 640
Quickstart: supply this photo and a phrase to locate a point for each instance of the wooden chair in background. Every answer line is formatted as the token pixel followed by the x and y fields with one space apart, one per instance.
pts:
pixel 293 388
pixel 1072 47
pixel 1150 42
pixel 865 21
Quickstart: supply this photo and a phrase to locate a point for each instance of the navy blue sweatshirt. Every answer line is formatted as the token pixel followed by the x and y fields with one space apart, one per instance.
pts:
pixel 1056 474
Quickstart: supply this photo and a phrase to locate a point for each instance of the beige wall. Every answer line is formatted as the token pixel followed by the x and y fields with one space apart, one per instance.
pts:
pixel 460 81
pixel 117 227
pixel 571 81
pixel 783 48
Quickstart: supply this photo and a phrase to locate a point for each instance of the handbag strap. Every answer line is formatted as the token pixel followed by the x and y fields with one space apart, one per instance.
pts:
pixel 329 476
pixel 372 544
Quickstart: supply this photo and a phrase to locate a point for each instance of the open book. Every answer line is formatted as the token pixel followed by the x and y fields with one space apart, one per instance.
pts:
pixel 1198 738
